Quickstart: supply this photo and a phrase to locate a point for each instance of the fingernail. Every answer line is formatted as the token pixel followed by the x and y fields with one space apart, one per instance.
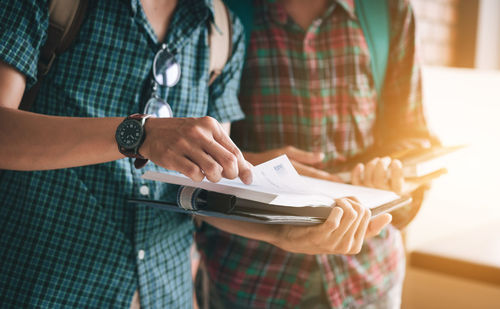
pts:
pixel 339 210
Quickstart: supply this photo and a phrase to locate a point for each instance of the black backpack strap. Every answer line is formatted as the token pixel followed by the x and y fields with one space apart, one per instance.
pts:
pixel 66 17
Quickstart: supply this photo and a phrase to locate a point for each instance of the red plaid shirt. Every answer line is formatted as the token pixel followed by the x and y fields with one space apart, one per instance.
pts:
pixel 313 89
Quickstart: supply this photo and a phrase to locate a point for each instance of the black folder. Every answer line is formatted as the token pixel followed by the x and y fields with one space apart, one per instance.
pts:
pixel 209 203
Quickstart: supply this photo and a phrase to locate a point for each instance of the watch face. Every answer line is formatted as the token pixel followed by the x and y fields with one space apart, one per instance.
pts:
pixel 129 133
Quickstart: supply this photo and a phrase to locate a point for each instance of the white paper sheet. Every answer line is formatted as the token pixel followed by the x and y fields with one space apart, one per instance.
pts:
pixel 277 182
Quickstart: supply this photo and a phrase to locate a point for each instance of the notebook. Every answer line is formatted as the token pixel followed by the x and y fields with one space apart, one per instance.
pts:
pixel 278 195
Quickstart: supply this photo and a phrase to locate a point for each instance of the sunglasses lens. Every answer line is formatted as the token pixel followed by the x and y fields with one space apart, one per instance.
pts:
pixel 166 70
pixel 158 108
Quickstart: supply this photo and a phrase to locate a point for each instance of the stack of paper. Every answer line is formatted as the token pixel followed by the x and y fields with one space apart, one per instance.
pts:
pixel 276 182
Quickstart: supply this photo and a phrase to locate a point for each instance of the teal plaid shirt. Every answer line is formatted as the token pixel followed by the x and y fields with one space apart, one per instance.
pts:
pixel 69 237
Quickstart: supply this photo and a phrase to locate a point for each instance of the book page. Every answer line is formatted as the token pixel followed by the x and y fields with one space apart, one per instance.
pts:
pixel 277 182
pixel 368 197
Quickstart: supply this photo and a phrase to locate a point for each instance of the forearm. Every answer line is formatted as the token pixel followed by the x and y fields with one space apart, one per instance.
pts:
pixel 262 232
pixel 342 232
pixel 39 142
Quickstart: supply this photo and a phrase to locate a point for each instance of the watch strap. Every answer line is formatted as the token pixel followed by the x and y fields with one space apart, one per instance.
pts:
pixel 140 117
pixel 140 163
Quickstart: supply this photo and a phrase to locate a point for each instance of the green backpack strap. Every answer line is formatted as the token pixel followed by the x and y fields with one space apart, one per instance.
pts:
pixel 373 16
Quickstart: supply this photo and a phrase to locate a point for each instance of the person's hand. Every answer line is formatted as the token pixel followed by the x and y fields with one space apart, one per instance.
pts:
pixel 196 147
pixel 380 173
pixel 303 161
pixel 343 232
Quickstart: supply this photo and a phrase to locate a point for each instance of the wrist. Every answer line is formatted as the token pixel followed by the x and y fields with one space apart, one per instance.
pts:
pixel 145 148
pixel 274 238
pixel 257 231
pixel 273 235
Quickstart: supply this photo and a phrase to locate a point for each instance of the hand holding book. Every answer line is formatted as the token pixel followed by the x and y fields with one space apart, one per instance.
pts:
pixel 278 194
pixel 282 198
pixel 343 232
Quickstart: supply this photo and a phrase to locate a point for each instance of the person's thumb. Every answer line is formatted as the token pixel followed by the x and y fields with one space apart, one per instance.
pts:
pixel 376 225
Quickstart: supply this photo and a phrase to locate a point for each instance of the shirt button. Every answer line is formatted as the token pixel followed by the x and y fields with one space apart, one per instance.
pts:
pixel 144 190
pixel 141 254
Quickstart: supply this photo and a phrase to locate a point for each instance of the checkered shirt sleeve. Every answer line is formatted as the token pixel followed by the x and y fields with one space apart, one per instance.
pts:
pixel 69 237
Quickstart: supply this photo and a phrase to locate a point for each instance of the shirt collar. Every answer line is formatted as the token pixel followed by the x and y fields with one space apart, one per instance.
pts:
pixel 278 14
pixel 210 5
pixel 188 15
pixel 349 7
pixel 134 5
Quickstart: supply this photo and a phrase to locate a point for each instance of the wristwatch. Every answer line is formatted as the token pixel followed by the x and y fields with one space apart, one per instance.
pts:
pixel 130 135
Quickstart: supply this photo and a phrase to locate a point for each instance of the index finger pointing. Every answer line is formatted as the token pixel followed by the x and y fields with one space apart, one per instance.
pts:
pixel 244 168
pixel 245 172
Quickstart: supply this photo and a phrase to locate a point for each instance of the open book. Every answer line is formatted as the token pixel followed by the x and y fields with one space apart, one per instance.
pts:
pixel 278 194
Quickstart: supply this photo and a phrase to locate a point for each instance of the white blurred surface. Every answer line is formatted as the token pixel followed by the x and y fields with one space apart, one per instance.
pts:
pixel 462 107
pixel 488 35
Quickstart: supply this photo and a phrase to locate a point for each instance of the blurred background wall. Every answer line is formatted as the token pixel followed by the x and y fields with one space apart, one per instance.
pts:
pixel 453 245
pixel 459 33
pixel 437 22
